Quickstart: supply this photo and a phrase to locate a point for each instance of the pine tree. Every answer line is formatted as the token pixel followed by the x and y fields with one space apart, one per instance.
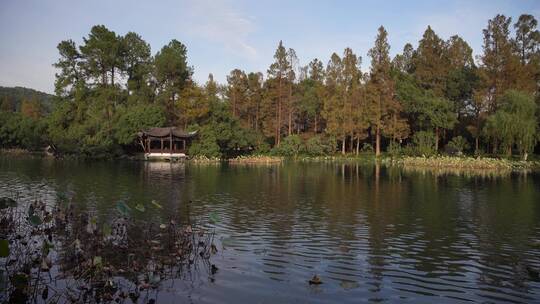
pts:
pixel 255 96
pixel 527 41
pixel 70 76
pixel 500 66
pixel 103 55
pixel 137 63
pixel 172 74
pixel 237 86
pixel 333 104
pixel 384 108
pixel 278 71
pixel 291 77
pixel 354 118
pixel 431 65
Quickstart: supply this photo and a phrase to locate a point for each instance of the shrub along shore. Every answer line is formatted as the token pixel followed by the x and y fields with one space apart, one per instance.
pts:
pixel 478 163
pixel 432 162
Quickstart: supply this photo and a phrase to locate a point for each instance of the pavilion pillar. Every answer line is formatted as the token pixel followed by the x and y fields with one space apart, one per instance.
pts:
pixel 161 145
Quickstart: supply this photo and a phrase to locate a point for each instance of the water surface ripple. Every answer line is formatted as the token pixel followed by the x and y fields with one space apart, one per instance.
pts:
pixel 370 233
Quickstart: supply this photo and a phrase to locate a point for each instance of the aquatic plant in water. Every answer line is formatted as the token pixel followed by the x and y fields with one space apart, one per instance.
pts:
pixel 54 254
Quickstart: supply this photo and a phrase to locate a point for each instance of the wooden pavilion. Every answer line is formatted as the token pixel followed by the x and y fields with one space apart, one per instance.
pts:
pixel 166 143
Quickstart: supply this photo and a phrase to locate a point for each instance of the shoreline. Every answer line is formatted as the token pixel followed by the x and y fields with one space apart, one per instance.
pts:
pixel 432 162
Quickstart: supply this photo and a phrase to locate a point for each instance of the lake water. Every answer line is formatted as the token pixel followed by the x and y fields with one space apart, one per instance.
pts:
pixel 370 233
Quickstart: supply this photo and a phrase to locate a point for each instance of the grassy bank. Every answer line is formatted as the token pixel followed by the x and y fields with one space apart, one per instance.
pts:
pixel 256 159
pixel 466 163
pixel 434 162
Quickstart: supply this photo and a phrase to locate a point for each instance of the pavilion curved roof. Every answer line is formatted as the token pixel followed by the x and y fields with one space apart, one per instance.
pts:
pixel 167 132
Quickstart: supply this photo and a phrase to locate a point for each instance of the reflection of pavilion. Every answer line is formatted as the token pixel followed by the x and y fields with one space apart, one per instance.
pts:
pixel 164 167
pixel 161 171
pixel 168 143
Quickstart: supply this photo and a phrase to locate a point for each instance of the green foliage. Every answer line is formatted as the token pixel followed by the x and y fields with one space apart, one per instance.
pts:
pixel 205 144
pixel 171 65
pixel 133 119
pixel 223 136
pixel 514 123
pixel 83 129
pixel 320 145
pixel 439 113
pixel 423 143
pixel 103 53
pixel 19 131
pixel 291 145
pixel 366 148
pixel 262 147
pixel 458 144
pixel 394 149
pixel 460 87
pixel 171 73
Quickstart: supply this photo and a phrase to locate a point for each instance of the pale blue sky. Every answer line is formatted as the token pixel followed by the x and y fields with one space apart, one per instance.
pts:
pixel 223 35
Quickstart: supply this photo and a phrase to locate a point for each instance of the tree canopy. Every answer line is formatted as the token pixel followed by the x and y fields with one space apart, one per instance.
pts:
pixel 425 98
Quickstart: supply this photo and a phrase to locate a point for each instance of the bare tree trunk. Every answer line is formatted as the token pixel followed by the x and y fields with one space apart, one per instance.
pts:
pixel 357 146
pixel 257 118
pixel 112 76
pixel 290 121
pixel 276 131
pixel 436 140
pixel 233 108
pixel 290 109
pixel 352 143
pixel 343 145
pixel 316 121
pixel 279 122
pixel 377 141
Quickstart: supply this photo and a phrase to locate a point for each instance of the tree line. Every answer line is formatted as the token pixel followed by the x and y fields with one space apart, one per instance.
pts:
pixel 432 99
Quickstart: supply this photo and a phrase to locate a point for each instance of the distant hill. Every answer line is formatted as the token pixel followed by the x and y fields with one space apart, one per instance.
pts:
pixel 14 96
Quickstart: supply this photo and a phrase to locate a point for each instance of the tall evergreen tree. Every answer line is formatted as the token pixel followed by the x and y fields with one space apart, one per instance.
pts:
pixel 70 76
pixel 384 107
pixel 333 105
pixel 103 55
pixel 527 41
pixel 137 60
pixel 172 74
pixel 278 72
pixel 499 65
pixel 430 62
pixel 291 78
pixel 237 86
pixel 255 97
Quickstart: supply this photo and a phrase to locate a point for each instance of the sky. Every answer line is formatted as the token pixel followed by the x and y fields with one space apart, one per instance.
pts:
pixel 222 35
